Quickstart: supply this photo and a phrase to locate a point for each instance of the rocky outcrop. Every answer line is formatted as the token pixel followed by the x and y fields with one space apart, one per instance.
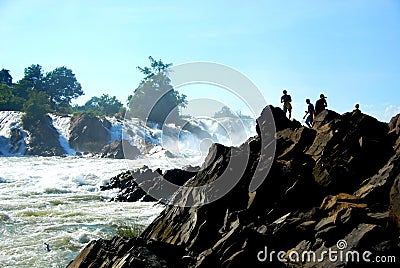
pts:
pixel 142 253
pixel 334 187
pixel 132 183
pixel 120 150
pixel 88 133
pixel 394 126
pixel 43 139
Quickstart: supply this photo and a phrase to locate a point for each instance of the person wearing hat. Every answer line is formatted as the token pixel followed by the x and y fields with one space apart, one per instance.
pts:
pixel 321 104
pixel 287 106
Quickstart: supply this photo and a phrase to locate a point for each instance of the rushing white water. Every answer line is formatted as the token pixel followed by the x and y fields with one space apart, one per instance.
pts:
pixel 57 201
pixel 147 138
pixel 62 124
pixel 11 121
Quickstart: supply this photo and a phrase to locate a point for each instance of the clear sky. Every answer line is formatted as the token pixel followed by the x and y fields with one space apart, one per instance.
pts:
pixel 347 49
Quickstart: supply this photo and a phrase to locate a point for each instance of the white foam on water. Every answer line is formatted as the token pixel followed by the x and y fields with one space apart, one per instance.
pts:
pixel 56 200
pixel 11 120
pixel 62 124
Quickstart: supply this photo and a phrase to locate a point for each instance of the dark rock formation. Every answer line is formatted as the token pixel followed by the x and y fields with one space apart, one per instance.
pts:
pixel 132 183
pixel 88 133
pixel 337 181
pixel 394 126
pixel 113 253
pixel 120 150
pixel 196 130
pixel 44 139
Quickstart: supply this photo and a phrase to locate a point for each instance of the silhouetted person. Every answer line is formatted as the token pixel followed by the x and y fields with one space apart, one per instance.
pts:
pixel 310 112
pixel 287 106
pixel 321 104
pixel 357 110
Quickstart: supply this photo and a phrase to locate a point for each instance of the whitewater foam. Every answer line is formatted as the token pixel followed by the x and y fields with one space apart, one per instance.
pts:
pixel 62 125
pixel 10 123
pixel 56 200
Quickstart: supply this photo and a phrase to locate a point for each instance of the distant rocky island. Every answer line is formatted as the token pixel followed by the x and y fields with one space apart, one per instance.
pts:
pixel 85 134
pixel 56 135
pixel 335 187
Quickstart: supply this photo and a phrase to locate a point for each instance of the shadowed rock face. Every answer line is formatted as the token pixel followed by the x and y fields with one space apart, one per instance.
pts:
pixel 339 180
pixel 115 150
pixel 88 133
pixel 44 139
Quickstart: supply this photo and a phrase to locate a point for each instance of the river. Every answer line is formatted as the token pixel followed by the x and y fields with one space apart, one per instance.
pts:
pixel 56 200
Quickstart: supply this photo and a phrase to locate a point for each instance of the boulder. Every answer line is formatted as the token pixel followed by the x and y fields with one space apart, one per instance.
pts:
pixel 88 133
pixel 44 139
pixel 120 150
pixel 145 184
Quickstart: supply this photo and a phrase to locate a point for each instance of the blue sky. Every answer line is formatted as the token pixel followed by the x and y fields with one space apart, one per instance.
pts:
pixel 349 49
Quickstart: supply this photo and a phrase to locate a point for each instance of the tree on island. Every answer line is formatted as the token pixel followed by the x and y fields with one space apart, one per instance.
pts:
pixel 35 109
pixel 104 105
pixel 228 113
pixel 33 79
pixel 61 86
pixel 155 99
pixel 5 77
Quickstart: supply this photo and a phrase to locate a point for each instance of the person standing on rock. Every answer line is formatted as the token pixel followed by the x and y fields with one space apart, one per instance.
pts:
pixel 321 104
pixel 357 110
pixel 310 112
pixel 287 106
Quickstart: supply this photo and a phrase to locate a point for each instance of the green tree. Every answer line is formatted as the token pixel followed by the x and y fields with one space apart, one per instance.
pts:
pixel 155 99
pixel 8 100
pixel 61 86
pixel 33 79
pixel 225 112
pixel 35 109
pixel 104 105
pixel 5 77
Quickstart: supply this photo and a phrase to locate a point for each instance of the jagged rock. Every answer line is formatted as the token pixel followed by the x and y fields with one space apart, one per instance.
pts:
pixel 135 252
pixel 339 180
pixel 394 126
pixel 145 184
pixel 196 130
pixel 120 150
pixel 16 140
pixel 88 133
pixel 348 149
pixel 43 139
pixel 374 189
pixel 395 200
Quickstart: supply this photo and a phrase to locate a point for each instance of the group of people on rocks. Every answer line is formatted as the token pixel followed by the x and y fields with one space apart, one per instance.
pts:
pixel 312 111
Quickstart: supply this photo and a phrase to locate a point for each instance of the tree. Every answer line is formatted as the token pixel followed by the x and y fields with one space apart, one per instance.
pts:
pixel 33 79
pixel 155 99
pixel 35 109
pixel 225 112
pixel 105 105
pixel 61 86
pixel 8 100
pixel 5 77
